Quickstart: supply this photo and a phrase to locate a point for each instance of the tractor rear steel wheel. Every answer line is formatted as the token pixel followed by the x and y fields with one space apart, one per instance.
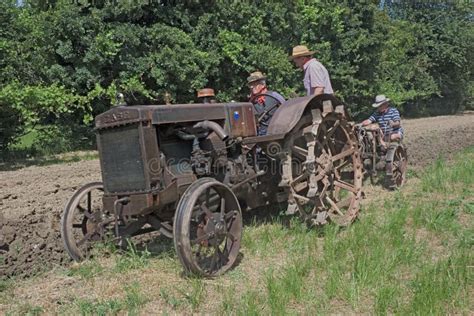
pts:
pixel 207 228
pixel 325 169
pixel 396 167
pixel 83 221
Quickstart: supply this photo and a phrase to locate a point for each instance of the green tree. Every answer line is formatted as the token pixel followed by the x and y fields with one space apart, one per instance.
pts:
pixel 62 62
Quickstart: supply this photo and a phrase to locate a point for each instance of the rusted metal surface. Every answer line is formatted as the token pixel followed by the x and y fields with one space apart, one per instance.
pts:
pixel 187 170
pixel 208 228
pixel 84 221
pixel 322 169
pixel 288 115
pixel 119 115
pixel 390 158
pixel 240 120
pixel 206 92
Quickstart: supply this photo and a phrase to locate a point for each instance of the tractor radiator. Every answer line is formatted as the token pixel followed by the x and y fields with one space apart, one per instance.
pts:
pixel 121 158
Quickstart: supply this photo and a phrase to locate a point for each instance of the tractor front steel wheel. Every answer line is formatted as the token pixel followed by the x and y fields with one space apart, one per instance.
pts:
pixel 323 169
pixel 207 228
pixel 84 222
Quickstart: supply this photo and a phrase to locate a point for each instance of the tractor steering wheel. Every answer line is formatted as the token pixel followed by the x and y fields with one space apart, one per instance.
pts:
pixel 276 105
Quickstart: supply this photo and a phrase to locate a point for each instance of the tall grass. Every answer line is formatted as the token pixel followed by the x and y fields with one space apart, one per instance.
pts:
pixel 132 301
pixel 387 262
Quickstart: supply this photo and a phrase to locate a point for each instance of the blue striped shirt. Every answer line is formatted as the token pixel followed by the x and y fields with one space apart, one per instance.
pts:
pixel 383 120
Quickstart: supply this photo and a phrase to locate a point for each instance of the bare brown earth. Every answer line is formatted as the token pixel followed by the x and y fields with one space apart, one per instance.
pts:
pixel 429 138
pixel 32 198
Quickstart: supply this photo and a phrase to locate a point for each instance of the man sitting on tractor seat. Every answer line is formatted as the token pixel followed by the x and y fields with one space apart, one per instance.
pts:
pixel 388 119
pixel 265 101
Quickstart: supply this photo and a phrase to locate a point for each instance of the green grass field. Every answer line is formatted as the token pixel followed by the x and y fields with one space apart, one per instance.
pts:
pixel 411 252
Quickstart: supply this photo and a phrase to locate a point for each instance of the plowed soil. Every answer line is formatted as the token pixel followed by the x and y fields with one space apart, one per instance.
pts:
pixel 32 198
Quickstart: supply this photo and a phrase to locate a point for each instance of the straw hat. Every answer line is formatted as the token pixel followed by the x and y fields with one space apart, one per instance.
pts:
pixel 255 76
pixel 206 92
pixel 300 51
pixel 379 100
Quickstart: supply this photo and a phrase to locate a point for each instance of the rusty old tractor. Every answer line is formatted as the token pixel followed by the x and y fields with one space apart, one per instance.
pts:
pixel 187 171
pixel 381 156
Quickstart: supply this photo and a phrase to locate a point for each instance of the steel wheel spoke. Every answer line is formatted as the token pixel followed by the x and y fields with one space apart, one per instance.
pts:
pixel 343 154
pixel 299 151
pixel 345 185
pixel 339 142
pixel 229 215
pixel 304 199
pixel 222 207
pixel 89 202
pixel 334 205
pixel 321 146
pixel 199 239
pixel 301 177
pixel 298 187
pixel 331 131
pixel 86 213
pixel 342 165
pixel 206 211
pixel 86 237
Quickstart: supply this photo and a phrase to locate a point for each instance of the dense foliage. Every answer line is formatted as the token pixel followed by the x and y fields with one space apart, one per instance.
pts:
pixel 62 61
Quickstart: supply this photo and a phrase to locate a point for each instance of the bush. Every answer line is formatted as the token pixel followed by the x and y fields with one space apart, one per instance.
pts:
pixel 10 126
pixel 55 139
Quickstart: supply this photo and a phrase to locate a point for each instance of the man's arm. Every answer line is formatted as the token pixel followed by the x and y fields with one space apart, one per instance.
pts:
pixel 366 122
pixel 394 124
pixel 370 120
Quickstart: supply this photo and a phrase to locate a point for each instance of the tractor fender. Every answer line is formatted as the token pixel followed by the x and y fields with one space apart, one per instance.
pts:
pixel 290 112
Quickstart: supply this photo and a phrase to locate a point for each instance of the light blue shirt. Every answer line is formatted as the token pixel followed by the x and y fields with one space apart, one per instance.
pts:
pixel 316 76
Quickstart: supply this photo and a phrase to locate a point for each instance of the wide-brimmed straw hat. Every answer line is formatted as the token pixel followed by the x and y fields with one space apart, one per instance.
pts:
pixel 255 76
pixel 300 51
pixel 379 100
pixel 206 92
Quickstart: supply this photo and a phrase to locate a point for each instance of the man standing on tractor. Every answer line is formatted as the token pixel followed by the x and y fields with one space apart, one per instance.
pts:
pixel 316 77
pixel 265 101
pixel 388 119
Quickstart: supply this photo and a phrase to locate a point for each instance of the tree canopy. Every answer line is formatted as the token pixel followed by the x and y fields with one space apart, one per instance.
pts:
pixel 62 62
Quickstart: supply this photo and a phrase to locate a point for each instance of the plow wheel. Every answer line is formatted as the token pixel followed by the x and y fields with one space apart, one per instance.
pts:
pixel 323 169
pixel 207 228
pixel 83 221
pixel 396 167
